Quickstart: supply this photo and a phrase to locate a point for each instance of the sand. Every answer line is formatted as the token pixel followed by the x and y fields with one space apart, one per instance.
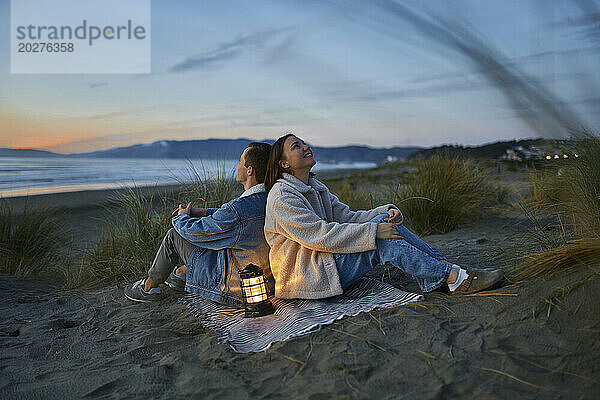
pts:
pixel 525 340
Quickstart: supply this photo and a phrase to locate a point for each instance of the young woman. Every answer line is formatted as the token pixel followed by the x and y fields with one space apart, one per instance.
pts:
pixel 319 247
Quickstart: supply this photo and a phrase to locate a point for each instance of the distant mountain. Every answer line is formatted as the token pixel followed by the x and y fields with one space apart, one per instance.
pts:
pixel 363 153
pixel 232 148
pixel 192 149
pixel 5 152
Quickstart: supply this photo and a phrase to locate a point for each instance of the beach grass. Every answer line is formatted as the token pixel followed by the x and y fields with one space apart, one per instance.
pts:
pixel 570 193
pixel 208 191
pixel 134 229
pixel 355 197
pixel 443 192
pixel 33 242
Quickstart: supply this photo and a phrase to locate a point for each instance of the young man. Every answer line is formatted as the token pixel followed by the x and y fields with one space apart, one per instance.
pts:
pixel 214 244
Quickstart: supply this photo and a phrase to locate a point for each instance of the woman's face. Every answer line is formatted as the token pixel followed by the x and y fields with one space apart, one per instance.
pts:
pixel 297 156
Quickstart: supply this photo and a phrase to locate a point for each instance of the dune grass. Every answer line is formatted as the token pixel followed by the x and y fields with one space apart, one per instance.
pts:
pixel 126 249
pixel 206 191
pixel 356 198
pixel 572 194
pixel 33 242
pixel 444 192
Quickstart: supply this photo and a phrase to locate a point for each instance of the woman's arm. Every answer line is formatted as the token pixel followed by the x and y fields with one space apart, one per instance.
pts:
pixel 342 213
pixel 297 222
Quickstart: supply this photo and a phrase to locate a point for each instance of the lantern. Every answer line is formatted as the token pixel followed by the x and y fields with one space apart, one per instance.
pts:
pixel 254 289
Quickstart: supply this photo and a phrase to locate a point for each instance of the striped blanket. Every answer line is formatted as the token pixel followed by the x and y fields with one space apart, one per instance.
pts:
pixel 292 318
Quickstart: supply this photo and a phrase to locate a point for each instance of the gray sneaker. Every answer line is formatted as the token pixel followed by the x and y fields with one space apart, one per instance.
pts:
pixel 176 281
pixel 136 292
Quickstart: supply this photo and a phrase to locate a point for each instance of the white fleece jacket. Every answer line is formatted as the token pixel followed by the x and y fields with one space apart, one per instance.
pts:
pixel 304 226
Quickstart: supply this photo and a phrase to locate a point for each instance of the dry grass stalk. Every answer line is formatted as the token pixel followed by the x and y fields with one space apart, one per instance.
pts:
pixel 358 337
pixel 523 381
pixel 551 261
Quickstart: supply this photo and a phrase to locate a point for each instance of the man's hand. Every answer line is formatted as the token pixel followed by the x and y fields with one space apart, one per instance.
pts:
pixel 193 211
pixel 182 210
pixel 387 230
pixel 395 216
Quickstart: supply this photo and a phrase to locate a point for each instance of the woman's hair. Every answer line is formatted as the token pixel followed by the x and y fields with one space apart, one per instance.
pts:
pixel 274 170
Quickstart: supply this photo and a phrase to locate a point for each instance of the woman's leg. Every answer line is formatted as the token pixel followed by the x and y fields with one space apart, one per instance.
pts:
pixel 414 239
pixel 352 266
pixel 419 243
pixel 411 255
pixel 429 272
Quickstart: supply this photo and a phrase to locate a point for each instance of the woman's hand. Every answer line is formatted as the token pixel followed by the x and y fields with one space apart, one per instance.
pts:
pixel 387 230
pixel 394 216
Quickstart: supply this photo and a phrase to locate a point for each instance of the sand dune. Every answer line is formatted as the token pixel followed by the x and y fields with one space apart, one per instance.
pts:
pixel 521 341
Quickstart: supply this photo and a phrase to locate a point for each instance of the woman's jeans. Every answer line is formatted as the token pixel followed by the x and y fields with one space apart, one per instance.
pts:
pixel 411 255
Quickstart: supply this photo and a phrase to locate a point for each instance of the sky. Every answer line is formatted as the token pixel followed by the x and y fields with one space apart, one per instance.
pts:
pixel 381 73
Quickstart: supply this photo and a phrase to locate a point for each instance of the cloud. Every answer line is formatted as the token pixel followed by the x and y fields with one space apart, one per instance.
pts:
pixel 586 26
pixel 521 91
pixel 254 124
pixel 97 85
pixel 428 91
pixel 109 115
pixel 228 51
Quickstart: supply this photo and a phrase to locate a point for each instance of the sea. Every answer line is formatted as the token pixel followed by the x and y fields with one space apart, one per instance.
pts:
pixel 21 176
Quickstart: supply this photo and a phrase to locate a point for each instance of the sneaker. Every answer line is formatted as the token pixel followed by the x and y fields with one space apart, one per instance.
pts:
pixel 478 280
pixel 136 292
pixel 176 281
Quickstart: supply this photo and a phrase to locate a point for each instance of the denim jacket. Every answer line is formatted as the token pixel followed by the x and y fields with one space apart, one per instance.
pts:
pixel 227 240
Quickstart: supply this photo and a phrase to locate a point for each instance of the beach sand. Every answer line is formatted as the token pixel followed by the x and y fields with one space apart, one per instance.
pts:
pixel 533 339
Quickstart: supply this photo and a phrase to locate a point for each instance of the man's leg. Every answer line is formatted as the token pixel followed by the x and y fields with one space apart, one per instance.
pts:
pixel 172 252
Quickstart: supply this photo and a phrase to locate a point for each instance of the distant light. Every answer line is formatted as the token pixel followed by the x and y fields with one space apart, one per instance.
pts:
pixel 576 155
pixel 565 156
pixel 556 156
pixel 548 157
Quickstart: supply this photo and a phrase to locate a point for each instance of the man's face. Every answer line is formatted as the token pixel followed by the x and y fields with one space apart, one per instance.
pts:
pixel 242 170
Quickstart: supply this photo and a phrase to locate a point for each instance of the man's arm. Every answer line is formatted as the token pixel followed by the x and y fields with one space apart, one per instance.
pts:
pixel 197 212
pixel 216 231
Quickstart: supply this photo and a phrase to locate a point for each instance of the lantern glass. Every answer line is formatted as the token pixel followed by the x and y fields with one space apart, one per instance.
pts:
pixel 254 289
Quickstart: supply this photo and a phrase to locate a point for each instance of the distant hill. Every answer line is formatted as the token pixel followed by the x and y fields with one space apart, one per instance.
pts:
pixel 192 149
pixel 232 148
pixel 5 152
pixel 491 151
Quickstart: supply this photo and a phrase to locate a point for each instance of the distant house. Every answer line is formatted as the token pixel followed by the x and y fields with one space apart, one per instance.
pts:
pixel 520 153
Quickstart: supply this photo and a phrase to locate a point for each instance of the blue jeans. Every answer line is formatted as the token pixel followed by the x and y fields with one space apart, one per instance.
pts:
pixel 411 255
